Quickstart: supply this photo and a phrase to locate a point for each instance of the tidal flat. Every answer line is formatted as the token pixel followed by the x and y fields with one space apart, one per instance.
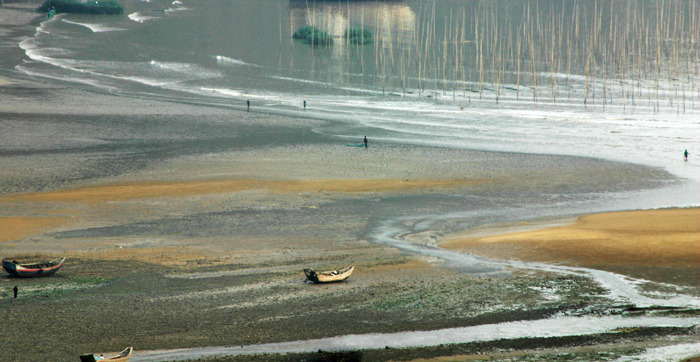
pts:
pixel 186 225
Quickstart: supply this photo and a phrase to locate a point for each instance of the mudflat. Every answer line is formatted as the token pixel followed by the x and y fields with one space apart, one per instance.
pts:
pixel 198 263
pixel 198 243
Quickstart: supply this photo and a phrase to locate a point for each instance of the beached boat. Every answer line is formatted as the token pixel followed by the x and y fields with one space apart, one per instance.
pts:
pixel 328 276
pixel 32 269
pixel 122 357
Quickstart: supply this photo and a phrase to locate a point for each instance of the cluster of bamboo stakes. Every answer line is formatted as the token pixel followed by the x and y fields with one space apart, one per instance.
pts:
pixel 623 52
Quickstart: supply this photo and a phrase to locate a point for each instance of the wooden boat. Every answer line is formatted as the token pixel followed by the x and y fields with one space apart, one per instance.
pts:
pixel 121 357
pixel 328 276
pixel 32 269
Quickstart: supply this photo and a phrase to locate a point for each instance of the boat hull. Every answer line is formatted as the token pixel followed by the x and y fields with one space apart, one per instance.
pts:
pixel 124 356
pixel 328 276
pixel 32 270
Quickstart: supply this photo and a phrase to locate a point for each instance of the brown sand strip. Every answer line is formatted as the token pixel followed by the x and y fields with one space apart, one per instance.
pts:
pixel 173 255
pixel 120 192
pixel 668 237
pixel 18 227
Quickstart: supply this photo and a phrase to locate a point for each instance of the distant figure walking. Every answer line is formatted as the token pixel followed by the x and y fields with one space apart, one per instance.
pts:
pixel 248 102
pixel 685 154
pixel 15 290
pixel 365 141
pixel 304 104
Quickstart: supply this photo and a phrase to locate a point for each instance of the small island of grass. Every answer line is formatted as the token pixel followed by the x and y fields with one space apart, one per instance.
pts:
pixel 359 36
pixel 313 35
pixel 105 7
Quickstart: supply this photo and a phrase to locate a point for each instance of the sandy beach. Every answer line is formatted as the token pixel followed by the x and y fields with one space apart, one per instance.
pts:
pixel 206 245
pixel 636 242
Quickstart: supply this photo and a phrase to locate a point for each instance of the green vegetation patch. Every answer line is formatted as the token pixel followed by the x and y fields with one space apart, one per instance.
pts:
pixel 359 36
pixel 313 35
pixel 104 7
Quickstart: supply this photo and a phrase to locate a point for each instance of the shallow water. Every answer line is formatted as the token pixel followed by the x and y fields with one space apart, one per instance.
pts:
pixel 215 53
pixel 554 327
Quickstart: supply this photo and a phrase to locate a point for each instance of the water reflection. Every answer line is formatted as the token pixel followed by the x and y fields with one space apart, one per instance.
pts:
pixel 391 22
pixel 386 18
pixel 598 51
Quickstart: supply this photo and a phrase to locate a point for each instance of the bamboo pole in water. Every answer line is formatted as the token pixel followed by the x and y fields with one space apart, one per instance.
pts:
pixel 434 55
pixel 377 44
pixel 632 56
pixel 597 37
pixel 456 53
pixel 460 66
pixel 692 54
pixel 279 6
pixel 647 48
pixel 427 51
pixel 420 56
pixel 560 46
pixel 443 69
pixel 497 54
pixel 390 37
pixel 347 39
pixel 404 55
pixel 477 52
pixel 610 53
pixel 657 63
pixel 636 51
pixel 606 49
pixel 552 60
pixel 619 49
pixel 519 59
pixel 415 48
pixel 313 24
pixel 569 49
pixel 361 48
pixel 679 61
pixel 533 56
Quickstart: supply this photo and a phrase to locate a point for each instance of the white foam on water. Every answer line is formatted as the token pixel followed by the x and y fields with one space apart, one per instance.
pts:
pixel 173 66
pixel 161 74
pixel 177 8
pixel 230 61
pixel 96 28
pixel 301 80
pixel 327 84
pixel 89 82
pixel 140 18
pixel 225 92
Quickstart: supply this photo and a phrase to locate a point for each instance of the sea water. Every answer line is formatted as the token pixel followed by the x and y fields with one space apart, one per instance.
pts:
pixel 225 53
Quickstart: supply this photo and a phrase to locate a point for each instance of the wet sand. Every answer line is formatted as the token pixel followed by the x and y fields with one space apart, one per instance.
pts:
pixel 648 239
pixel 194 262
pixel 207 248
pixel 13 16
